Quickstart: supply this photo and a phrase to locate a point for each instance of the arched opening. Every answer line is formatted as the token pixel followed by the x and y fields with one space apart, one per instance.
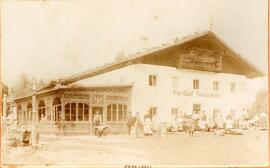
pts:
pixel 57 108
pixel 19 114
pixel 41 110
pixel 28 114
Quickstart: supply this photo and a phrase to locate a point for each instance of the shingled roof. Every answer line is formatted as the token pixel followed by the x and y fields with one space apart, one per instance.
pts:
pixel 233 62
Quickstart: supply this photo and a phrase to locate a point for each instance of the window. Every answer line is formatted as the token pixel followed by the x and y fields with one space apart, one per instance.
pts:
pixel 109 112
pixel 73 111
pixel 153 111
pixel 57 110
pixel 116 112
pixel 120 112
pixel 25 116
pixel 174 111
pixel 86 112
pixel 232 88
pixel 81 108
pixel 80 112
pixel 67 112
pixel 175 82
pixel 196 108
pixel 28 115
pixel 152 80
pixel 215 86
pixel 125 113
pixel 83 112
pixel 41 110
pixel 70 112
pixel 196 84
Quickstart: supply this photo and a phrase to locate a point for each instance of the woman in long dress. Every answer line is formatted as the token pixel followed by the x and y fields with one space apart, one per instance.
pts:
pixel 147 126
pixel 191 127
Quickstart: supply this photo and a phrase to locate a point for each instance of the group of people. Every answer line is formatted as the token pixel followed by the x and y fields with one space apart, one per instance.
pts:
pixel 145 126
pixel 152 124
pixel 190 123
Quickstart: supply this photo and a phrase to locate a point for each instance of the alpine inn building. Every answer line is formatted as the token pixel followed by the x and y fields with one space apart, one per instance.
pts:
pixel 197 74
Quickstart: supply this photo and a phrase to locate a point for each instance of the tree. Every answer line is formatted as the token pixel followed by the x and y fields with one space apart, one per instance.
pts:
pixel 260 103
pixel 24 85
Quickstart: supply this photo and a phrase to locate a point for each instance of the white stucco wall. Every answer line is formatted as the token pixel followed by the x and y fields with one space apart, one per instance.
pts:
pixel 162 95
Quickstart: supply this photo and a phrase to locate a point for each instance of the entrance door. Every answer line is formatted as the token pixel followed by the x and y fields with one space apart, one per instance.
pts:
pixel 96 110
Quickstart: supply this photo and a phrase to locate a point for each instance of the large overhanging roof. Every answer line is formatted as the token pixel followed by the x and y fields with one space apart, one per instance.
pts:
pixel 245 67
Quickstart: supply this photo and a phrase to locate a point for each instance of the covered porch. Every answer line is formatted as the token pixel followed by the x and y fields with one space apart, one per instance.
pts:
pixel 71 110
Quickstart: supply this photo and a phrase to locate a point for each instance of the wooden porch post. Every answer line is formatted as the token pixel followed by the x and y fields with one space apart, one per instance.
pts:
pixel 34 117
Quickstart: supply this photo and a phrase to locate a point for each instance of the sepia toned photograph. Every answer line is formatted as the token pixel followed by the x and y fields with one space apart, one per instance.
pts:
pixel 134 84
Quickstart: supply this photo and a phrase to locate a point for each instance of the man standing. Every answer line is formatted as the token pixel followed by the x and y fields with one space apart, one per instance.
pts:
pixel 191 126
pixel 130 123
pixel 97 119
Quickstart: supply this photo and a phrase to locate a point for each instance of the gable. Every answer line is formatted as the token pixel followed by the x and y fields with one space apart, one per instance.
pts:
pixel 213 55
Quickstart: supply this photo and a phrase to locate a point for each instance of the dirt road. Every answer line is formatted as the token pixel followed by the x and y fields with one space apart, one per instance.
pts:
pixel 202 149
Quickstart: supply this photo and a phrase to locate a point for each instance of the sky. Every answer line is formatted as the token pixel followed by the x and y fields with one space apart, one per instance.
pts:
pixel 55 39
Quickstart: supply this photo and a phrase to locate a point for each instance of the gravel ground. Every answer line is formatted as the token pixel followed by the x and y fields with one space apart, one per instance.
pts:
pixel 251 148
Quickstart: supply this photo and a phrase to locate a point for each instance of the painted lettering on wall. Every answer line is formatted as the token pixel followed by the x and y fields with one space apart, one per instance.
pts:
pixel 194 93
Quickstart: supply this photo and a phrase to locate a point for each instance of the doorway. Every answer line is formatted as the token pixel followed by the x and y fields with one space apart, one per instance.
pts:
pixel 95 110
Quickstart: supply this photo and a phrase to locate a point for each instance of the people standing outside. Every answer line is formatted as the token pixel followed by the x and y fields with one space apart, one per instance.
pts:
pixel 196 118
pixel 191 126
pixel 202 125
pixel 147 125
pixel 138 125
pixel 97 119
pixel 43 118
pixel 229 123
pixel 210 124
pixel 202 121
pixel 130 123
pixel 179 122
pixel 156 123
